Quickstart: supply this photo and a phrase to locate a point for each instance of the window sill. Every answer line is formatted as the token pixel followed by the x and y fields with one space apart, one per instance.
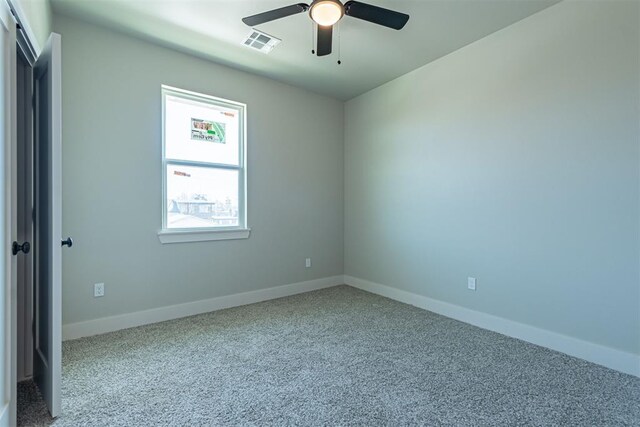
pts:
pixel 185 236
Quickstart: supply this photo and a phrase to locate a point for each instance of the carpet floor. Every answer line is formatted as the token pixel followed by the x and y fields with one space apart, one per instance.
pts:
pixel 338 356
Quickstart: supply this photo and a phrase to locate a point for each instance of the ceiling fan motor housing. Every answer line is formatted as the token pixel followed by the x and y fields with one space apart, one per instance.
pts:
pixel 326 12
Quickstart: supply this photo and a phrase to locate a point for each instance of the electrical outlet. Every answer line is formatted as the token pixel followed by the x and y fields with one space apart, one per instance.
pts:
pixel 98 290
pixel 307 263
pixel 471 283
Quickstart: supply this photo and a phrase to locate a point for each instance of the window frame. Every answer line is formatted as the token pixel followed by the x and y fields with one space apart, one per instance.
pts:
pixel 200 234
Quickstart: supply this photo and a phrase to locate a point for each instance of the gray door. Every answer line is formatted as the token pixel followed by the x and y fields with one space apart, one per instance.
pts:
pixel 48 224
pixel 24 200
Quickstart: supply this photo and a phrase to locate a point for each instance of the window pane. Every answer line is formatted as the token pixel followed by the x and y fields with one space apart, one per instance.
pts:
pixel 201 131
pixel 200 197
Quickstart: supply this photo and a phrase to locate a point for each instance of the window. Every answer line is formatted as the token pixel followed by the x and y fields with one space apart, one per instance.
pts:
pixel 204 173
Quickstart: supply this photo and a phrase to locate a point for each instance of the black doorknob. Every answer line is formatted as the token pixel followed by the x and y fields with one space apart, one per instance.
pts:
pixel 17 247
pixel 68 242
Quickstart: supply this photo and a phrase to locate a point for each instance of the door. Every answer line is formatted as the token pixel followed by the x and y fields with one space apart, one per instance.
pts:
pixel 48 224
pixel 24 183
pixel 8 224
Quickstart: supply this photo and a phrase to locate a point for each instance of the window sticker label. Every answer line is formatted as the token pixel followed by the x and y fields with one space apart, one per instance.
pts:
pixel 205 130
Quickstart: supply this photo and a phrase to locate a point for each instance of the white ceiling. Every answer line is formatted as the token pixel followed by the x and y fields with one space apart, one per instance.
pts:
pixel 371 55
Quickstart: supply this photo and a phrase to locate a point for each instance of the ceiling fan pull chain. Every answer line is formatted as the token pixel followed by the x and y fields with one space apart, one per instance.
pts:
pixel 339 32
pixel 313 38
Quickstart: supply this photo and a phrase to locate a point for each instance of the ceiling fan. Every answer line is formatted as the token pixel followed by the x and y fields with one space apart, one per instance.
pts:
pixel 326 13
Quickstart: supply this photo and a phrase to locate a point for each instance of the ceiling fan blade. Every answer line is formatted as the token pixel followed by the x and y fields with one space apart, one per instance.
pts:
pixel 325 37
pixel 274 14
pixel 375 14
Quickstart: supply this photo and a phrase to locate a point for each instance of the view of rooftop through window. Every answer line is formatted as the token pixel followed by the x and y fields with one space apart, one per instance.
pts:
pixel 203 161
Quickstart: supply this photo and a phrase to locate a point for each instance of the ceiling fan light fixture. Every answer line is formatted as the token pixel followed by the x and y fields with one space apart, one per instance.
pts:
pixel 326 12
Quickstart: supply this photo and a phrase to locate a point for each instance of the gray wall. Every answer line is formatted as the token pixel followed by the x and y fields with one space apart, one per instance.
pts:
pixel 112 179
pixel 513 160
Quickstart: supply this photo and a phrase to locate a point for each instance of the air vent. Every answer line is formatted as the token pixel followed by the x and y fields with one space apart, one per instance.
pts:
pixel 261 41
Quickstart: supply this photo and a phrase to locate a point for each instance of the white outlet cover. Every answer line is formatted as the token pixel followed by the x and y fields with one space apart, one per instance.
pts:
pixel 471 283
pixel 307 262
pixel 98 290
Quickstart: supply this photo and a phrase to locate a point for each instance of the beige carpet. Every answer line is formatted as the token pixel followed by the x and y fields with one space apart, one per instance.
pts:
pixel 339 356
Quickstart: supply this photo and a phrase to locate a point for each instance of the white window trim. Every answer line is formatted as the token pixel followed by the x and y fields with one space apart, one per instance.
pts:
pixel 178 235
pixel 191 235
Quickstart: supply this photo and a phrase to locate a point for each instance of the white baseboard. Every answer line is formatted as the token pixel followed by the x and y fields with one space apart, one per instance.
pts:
pixel 139 318
pixel 615 359
pixel 611 358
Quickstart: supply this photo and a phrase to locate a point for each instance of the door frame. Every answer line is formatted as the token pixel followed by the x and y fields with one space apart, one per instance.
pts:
pixel 27 39
pixel 8 148
pixel 13 18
